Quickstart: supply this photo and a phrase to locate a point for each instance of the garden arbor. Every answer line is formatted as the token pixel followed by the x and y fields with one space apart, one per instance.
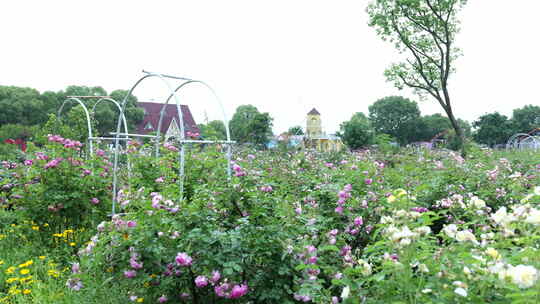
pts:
pixel 173 85
pixel 88 115
pixel 523 141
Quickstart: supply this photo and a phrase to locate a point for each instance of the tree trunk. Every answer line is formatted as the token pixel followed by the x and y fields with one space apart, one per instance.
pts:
pixel 459 133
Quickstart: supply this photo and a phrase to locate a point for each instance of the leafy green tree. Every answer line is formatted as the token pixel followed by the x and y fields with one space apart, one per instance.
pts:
pixel 396 116
pixel 426 31
pixel 214 130
pixel 432 125
pixel 493 129
pixel 248 125
pixel 526 119
pixel 295 130
pixel 357 132
pixel 21 106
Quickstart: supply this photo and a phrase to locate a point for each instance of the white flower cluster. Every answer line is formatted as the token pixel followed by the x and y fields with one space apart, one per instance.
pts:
pixel 459 235
pixel 522 213
pixel 522 275
pixel 404 236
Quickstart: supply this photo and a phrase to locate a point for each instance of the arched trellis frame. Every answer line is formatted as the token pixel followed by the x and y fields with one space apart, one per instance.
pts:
pixel 514 142
pixel 182 141
pixel 88 122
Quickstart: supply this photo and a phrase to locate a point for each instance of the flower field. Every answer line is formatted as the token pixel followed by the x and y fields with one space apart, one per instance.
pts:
pixel 412 226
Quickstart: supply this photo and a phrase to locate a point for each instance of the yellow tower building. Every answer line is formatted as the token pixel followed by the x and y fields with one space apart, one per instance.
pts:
pixel 314 124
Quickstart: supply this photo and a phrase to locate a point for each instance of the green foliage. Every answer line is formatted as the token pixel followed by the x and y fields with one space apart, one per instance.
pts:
pixel 214 130
pixel 295 130
pixel 492 129
pixel 248 125
pixel 526 119
pixel 396 116
pixel 426 31
pixel 357 132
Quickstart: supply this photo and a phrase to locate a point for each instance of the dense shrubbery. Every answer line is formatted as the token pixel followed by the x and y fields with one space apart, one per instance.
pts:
pixel 417 226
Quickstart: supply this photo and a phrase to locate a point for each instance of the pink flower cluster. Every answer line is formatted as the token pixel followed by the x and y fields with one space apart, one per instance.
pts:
pixel 158 203
pixel 238 172
pixel 68 143
pixel 343 195
pixel 266 188
pixel 183 259
pixel 170 147
pixel 228 291
pixel 53 163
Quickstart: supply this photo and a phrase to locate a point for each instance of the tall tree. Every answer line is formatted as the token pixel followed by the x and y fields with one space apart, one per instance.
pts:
pixel 396 116
pixel 425 30
pixel 214 130
pixel 492 129
pixel 357 132
pixel 248 125
pixel 295 130
pixel 526 119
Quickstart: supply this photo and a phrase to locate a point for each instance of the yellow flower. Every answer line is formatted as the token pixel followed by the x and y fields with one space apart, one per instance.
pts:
pixel 13 225
pixel 72 244
pixel 493 253
pixel 36 228
pixel 24 271
pixel 11 280
pixel 10 270
pixel 26 291
pixel 46 225
pixel 1 262
pixel 42 257
pixel 140 300
pixel 53 273
pixel 58 235
pixel 28 263
pixel 391 199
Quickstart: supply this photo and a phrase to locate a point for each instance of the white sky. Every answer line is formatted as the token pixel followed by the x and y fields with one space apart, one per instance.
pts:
pixel 283 56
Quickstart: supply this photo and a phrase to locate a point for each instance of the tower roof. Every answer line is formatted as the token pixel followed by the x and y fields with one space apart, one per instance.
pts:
pixel 314 112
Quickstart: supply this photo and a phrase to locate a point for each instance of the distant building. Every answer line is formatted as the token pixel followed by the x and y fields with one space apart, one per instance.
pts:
pixel 170 126
pixel 314 138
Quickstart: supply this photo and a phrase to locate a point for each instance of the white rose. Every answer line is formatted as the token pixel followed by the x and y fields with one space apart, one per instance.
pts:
pixel 466 235
pixel 533 217
pixel 450 230
pixel 524 276
pixel 461 291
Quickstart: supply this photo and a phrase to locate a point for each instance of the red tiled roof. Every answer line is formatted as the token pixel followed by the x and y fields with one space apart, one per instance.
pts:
pixel 152 112
pixel 314 112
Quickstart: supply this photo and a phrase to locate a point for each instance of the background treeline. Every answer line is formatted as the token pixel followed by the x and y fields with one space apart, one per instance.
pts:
pixel 398 119
pixel 25 111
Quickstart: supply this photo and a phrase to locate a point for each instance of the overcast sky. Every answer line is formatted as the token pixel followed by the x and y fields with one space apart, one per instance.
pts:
pixel 284 57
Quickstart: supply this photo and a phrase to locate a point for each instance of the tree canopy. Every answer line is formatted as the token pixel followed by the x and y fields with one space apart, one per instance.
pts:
pixel 248 125
pixel 396 116
pixel 425 30
pixel 295 130
pixel 357 132
pixel 526 119
pixel 492 129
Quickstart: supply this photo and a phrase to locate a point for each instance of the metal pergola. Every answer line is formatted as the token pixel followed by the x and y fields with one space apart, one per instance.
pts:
pixel 181 82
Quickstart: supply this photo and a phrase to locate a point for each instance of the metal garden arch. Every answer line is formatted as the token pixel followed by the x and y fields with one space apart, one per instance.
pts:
pixel 182 141
pixel 515 141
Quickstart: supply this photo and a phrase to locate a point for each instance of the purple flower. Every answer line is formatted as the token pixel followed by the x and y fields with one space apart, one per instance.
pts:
pixel 215 277
pixel 74 284
pixel 75 268
pixel 239 291
pixel 131 224
pixel 358 221
pixel 135 264
pixel 162 299
pixel 312 260
pixel 160 179
pixel 368 181
pixel 201 281
pixel 94 201
pixel 53 163
pixel 311 248
pixel 130 274
pixel 183 259
pixel 28 162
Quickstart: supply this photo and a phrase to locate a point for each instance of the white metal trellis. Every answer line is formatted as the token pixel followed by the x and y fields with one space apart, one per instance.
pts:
pixel 88 122
pixel 523 141
pixel 182 140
